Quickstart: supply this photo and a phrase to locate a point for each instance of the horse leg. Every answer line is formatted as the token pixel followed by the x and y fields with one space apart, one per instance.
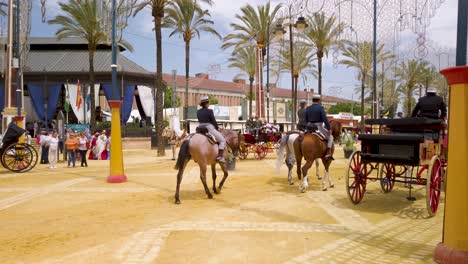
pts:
pixel 305 169
pixel 298 166
pixel 290 163
pixel 180 174
pixel 173 151
pixel 225 171
pixel 317 169
pixel 213 174
pixel 203 179
pixel 326 164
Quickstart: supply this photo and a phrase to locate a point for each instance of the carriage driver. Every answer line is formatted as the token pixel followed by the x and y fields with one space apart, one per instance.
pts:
pixel 315 114
pixel 430 105
pixel 206 119
pixel 301 114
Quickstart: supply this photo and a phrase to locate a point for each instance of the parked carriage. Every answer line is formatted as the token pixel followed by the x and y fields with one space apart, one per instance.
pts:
pixel 14 156
pixel 400 146
pixel 267 141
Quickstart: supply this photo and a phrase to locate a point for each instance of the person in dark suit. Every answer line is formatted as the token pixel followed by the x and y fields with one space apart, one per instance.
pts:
pixel 430 106
pixel 206 119
pixel 301 114
pixel 315 115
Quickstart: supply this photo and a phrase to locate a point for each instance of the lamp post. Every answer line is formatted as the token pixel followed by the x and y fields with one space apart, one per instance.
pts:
pixel 116 174
pixel 300 26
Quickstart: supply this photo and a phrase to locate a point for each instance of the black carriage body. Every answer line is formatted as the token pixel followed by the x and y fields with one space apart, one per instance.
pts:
pixel 399 141
pixel 12 134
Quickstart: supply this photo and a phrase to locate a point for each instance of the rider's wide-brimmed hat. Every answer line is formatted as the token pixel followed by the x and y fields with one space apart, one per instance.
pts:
pixel 317 96
pixel 204 99
pixel 431 90
pixel 303 101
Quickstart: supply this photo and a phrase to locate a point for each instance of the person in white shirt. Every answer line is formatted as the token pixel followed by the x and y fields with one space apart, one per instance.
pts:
pixel 52 142
pixel 83 148
pixel 44 148
pixel 27 136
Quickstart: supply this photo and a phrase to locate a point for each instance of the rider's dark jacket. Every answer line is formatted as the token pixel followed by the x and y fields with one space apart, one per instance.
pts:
pixel 301 114
pixel 315 114
pixel 206 115
pixel 429 106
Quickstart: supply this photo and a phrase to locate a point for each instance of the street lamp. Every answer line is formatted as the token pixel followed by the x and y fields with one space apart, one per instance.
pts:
pixel 300 26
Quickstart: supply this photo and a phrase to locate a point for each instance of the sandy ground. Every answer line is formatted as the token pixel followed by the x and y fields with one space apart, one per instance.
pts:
pixel 71 215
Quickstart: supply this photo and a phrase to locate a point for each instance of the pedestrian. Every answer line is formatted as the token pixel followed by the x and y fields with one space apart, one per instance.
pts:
pixel 92 149
pixel 71 143
pixel 52 142
pixel 35 128
pixel 27 137
pixel 83 148
pixel 44 148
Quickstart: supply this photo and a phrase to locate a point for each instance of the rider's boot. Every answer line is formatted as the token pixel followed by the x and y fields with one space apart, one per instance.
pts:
pixel 220 157
pixel 328 155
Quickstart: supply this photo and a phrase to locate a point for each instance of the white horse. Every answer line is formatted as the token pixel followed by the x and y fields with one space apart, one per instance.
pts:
pixel 287 143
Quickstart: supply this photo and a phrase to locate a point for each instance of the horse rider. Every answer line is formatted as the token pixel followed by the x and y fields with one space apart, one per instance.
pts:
pixel 301 114
pixel 430 106
pixel 206 119
pixel 315 114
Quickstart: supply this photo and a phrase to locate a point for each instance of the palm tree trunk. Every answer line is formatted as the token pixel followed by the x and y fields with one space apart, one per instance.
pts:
pixel 159 89
pixel 187 70
pixel 91 82
pixel 319 62
pixel 408 103
pixel 250 96
pixel 363 86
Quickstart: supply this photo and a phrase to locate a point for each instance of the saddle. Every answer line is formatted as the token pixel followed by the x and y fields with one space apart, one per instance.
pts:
pixel 204 131
pixel 321 133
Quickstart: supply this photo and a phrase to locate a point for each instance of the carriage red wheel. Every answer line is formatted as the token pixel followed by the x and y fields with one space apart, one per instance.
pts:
pixel 260 152
pixel 387 177
pixel 434 185
pixel 356 177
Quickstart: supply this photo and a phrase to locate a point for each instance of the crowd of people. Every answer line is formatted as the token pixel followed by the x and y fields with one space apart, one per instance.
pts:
pixel 76 144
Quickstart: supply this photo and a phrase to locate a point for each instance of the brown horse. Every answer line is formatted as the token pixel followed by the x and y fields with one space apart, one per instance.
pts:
pixel 199 148
pixel 335 129
pixel 308 146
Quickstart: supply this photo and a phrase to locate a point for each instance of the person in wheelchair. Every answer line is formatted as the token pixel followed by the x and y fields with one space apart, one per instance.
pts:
pixel 316 116
pixel 207 120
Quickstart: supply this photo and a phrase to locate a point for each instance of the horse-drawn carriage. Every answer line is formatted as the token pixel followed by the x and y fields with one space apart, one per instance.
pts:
pixel 14 156
pixel 268 139
pixel 401 145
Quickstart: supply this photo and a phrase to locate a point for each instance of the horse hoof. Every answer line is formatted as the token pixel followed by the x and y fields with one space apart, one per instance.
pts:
pixel 215 191
pixel 173 159
pixel 319 178
pixel 332 186
pixel 177 201
pixel 291 183
pixel 324 189
pixel 210 196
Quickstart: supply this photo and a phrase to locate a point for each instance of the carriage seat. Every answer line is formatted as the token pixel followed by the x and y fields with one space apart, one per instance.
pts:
pixel 204 131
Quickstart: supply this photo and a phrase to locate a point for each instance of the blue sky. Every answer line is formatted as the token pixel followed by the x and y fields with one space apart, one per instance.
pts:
pixel 337 81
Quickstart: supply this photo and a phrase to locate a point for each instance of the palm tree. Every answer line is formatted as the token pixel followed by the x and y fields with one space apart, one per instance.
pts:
pixel 323 34
pixel 3 12
pixel 187 18
pixel 253 26
pixel 244 60
pixel 303 62
pixel 81 19
pixel 409 73
pixel 359 55
pixel 158 10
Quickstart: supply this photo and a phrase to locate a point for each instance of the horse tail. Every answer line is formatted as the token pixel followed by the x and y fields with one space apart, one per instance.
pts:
pixel 183 155
pixel 283 144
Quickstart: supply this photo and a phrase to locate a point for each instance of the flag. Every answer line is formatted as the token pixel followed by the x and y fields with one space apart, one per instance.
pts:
pixel 78 96
pixel 88 101
pixel 66 106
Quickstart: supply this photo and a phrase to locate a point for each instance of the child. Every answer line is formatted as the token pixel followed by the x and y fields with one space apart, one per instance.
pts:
pixel 52 141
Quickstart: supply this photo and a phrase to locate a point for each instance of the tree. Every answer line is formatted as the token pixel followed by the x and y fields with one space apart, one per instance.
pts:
pixel 244 60
pixel 3 12
pixel 186 18
pixel 409 73
pixel 323 34
pixel 253 25
pixel 81 19
pixel 168 99
pixel 358 55
pixel 213 100
pixel 302 62
pixel 345 108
